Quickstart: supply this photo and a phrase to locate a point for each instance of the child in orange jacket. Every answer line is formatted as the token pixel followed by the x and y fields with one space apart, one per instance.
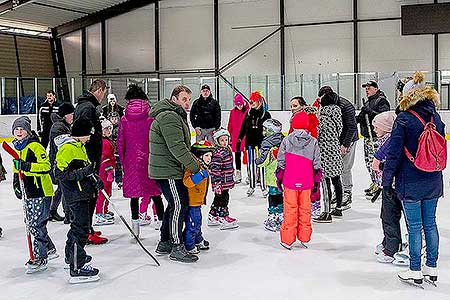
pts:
pixel 197 185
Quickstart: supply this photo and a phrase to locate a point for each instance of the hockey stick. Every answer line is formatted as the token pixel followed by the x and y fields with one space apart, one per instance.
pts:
pixel 14 154
pixel 126 223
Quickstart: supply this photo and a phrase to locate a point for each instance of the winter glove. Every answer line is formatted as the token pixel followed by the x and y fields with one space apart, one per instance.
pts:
pixel 98 183
pixel 88 170
pixel 217 190
pixel 366 110
pixel 197 177
pixel 317 175
pixel 315 188
pixel 20 164
pixel 381 166
pixel 279 174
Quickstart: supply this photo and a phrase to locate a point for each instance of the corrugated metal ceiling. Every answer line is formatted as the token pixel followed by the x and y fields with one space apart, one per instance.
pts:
pixel 52 13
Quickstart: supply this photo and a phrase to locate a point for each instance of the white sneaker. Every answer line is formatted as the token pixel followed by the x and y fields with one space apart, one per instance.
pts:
pixel 213 220
pixel 384 259
pixel 100 220
pixel 144 219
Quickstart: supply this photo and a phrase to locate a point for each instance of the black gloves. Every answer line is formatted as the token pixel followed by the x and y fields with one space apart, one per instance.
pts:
pixel 98 183
pixel 20 164
pixel 16 187
pixel 88 171
pixel 316 186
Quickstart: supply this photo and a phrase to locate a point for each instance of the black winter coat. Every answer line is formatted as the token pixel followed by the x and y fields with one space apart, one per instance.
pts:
pixel 59 127
pixel 252 127
pixel 376 104
pixel 206 113
pixel 350 128
pixel 44 121
pixel 88 108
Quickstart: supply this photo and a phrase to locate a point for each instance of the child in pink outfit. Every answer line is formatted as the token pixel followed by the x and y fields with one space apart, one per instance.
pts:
pixel 107 165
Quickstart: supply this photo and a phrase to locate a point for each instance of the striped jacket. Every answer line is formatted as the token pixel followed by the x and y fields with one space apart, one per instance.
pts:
pixel 221 169
pixel 44 120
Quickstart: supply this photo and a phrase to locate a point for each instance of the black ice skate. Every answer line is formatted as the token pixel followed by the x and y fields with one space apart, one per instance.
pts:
pixel 323 218
pixel 84 275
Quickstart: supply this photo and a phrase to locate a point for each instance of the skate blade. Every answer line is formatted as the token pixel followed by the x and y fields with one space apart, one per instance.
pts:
pixel 400 263
pixel 270 229
pixel 83 279
pixel 33 271
pixel 430 282
pixel 229 227
pixel 52 257
pixel 304 246
pixel 411 283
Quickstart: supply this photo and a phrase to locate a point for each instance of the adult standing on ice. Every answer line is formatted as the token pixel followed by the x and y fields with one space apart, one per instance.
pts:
pixel 418 190
pixel 170 155
pixel 205 115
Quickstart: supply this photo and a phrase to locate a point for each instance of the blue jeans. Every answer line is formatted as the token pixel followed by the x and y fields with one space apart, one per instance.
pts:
pixel 422 215
pixel 37 210
pixel 193 231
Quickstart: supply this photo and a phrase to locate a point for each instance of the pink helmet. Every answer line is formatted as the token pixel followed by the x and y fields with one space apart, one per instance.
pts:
pixel 239 100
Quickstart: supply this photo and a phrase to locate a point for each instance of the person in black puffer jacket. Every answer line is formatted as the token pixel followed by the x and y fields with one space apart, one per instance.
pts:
pixel 205 115
pixel 377 103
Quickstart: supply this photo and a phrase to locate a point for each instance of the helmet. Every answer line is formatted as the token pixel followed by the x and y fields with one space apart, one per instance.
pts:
pixel 106 123
pixel 220 132
pixel 202 147
pixel 272 126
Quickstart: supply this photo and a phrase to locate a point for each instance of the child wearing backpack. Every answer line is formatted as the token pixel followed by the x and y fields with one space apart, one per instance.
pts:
pixel 268 160
pixel 197 185
pixel 418 132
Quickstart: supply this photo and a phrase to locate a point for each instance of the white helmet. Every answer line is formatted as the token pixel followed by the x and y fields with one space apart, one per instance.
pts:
pixel 220 132
pixel 273 126
pixel 106 123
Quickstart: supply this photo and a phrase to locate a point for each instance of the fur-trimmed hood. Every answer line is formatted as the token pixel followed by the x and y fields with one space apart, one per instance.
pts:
pixel 417 95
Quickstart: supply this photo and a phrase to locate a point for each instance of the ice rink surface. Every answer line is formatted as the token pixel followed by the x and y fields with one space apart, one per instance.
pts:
pixel 247 263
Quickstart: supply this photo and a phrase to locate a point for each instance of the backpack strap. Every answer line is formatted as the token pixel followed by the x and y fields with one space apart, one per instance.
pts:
pixel 419 117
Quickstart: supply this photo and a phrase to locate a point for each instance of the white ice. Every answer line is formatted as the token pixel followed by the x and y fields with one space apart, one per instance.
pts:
pixel 247 263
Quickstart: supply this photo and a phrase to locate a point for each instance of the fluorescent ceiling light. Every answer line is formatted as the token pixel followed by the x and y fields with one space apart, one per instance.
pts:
pixel 154 79
pixel 172 79
pixel 23 25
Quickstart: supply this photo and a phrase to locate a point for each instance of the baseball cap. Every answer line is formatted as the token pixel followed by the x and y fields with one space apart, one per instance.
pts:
pixel 370 83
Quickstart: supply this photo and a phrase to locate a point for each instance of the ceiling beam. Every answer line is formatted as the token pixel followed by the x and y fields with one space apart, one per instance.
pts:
pixel 62 8
pixel 97 17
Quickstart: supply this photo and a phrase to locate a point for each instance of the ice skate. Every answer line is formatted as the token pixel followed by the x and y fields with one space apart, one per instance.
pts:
pixel 401 258
pixel 164 248
pixel 109 213
pixel 38 265
pixel 213 220
pixel 94 239
pixel 194 251
pixel 303 245
pixel 430 275
pixel 271 223
pixel 238 177
pixel 265 193
pixel 87 260
pixel 55 217
pixel 370 189
pixel 279 220
pixel 101 220
pixel 383 258
pixel 144 219
pixel 52 254
pixel 84 275
pixel 323 218
pixel 379 248
pixel 315 209
pixel 157 224
pixel 346 201
pixel 286 246
pixel 203 245
pixel 228 223
pixel 135 225
pixel 250 191
pixel 180 254
pixel 414 278
pixel 336 213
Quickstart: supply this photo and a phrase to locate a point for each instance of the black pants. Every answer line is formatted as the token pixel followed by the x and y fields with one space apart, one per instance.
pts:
pixel 177 206
pixel 45 138
pixel 159 205
pixel 275 200
pixel 92 204
pixel 57 199
pixel 391 213
pixel 78 233
pixel 222 200
pixel 237 160
pixel 336 181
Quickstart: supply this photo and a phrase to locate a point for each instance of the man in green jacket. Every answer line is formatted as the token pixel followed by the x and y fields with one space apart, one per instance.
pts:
pixel 170 154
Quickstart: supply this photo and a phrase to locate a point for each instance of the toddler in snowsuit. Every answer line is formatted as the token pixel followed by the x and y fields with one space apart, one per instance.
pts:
pixel 221 170
pixel 391 206
pixel 268 160
pixel 298 151
pixel 108 162
pixel 36 190
pixel 197 185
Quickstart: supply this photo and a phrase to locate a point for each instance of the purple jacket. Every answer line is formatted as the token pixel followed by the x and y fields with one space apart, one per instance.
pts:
pixel 221 169
pixel 133 149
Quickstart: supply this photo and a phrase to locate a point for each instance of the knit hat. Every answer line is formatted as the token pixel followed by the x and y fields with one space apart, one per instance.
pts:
pixel 300 121
pixel 384 121
pixel 324 90
pixel 82 127
pixel 238 100
pixel 415 83
pixel 65 109
pixel 329 99
pixel 205 87
pixel 106 123
pixel 111 97
pixel 23 122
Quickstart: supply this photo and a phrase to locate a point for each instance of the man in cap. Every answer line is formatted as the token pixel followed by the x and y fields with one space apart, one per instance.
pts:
pixel 44 121
pixel 376 103
pixel 205 115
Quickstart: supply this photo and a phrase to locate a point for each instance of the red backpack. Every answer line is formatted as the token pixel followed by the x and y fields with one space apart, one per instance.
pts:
pixel 431 155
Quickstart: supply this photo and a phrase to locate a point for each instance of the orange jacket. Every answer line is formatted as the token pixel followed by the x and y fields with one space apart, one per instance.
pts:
pixel 197 193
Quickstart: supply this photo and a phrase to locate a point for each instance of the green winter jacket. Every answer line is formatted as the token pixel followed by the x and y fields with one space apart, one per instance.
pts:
pixel 170 141
pixel 270 166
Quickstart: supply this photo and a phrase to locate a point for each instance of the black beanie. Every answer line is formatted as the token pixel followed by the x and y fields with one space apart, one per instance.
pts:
pixel 65 109
pixel 328 99
pixel 82 127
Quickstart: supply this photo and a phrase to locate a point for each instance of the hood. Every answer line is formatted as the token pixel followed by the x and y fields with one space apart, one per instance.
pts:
pixel 300 139
pixel 258 112
pixel 137 109
pixel 167 105
pixel 377 95
pixel 63 139
pixel 56 118
pixel 272 141
pixel 419 95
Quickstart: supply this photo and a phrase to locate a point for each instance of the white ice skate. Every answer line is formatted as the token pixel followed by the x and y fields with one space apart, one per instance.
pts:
pixel 213 220
pixel 228 223
pixel 414 278
pixel 250 191
pixel 384 258
pixel 430 274
pixel 238 177
pixel 52 254
pixel 144 219
pixel 271 223
pixel 35 266
pixel 100 220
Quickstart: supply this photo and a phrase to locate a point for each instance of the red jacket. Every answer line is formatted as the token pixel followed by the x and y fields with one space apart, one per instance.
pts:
pixel 108 161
